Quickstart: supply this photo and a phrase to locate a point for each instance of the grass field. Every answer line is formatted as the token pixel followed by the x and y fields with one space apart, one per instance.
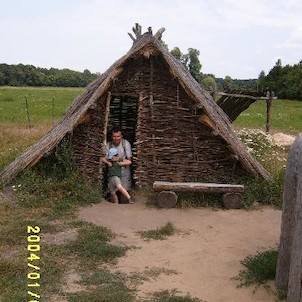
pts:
pixel 44 104
pixel 286 116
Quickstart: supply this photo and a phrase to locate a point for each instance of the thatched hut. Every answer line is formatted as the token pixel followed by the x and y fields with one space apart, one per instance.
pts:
pixel 177 131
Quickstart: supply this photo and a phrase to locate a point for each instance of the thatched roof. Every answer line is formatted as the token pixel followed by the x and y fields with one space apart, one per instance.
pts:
pixel 146 45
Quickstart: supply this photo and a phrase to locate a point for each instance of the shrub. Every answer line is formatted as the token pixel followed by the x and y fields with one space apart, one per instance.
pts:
pixel 259 268
pixel 160 233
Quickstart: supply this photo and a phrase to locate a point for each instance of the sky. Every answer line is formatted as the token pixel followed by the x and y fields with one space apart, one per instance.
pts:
pixel 235 38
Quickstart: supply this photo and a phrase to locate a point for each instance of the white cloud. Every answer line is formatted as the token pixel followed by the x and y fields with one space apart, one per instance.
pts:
pixel 294 40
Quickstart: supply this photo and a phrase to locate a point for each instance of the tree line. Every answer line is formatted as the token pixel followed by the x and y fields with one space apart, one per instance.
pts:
pixel 191 61
pixel 286 82
pixel 29 75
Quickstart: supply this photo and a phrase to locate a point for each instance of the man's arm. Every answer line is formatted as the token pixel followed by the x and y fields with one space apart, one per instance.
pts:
pixel 106 161
pixel 128 151
pixel 103 158
pixel 125 162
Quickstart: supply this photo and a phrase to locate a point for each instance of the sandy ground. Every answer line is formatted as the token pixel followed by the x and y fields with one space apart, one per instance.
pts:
pixel 205 252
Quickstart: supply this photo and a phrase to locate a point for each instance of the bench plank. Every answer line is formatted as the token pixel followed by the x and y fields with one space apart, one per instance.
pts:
pixel 197 187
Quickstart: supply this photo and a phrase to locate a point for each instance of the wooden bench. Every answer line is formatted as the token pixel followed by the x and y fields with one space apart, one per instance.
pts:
pixel 167 198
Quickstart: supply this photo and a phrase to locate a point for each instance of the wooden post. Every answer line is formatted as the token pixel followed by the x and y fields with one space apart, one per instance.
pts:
pixel 106 119
pixel 268 110
pixel 289 266
pixel 53 109
pixel 27 111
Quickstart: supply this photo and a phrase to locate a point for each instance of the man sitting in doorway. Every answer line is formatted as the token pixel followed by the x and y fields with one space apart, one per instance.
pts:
pixel 124 152
pixel 114 175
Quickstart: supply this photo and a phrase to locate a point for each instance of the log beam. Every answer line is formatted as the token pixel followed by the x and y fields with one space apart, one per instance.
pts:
pixel 197 187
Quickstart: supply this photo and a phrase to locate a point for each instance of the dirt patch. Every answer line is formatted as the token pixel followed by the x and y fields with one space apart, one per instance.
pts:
pixel 205 253
pixel 60 237
pixel 282 139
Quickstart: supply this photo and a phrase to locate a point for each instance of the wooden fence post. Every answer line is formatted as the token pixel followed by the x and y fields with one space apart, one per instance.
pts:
pixel 27 111
pixel 289 266
pixel 269 101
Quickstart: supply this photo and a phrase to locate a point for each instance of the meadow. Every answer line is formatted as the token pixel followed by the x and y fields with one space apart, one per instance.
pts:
pixel 51 201
pixel 45 104
pixel 22 124
pixel 286 116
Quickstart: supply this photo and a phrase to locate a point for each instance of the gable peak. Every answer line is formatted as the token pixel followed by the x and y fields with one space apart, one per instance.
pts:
pixel 137 30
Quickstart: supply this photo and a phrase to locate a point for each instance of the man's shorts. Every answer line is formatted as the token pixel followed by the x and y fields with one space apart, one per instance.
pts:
pixel 113 182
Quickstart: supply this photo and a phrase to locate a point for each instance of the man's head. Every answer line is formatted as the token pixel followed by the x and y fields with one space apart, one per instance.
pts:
pixel 116 136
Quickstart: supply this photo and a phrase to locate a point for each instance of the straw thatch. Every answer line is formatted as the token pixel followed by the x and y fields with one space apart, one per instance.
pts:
pixel 177 130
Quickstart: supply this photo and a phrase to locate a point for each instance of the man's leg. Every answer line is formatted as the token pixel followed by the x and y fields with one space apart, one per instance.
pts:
pixel 123 191
pixel 113 196
pixel 126 183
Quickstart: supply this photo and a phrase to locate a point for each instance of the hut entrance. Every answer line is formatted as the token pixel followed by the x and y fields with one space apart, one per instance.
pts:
pixel 123 114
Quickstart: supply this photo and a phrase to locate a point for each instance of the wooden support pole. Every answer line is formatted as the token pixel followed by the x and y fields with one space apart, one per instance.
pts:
pixel 289 266
pixel 53 109
pixel 106 119
pixel 27 111
pixel 268 112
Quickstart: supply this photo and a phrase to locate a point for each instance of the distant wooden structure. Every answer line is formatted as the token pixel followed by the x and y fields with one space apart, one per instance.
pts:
pixel 289 267
pixel 235 102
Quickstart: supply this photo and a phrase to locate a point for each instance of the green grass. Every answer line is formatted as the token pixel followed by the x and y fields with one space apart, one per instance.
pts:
pixel 108 293
pixel 41 101
pixel 93 244
pixel 286 116
pixel 13 277
pixel 15 133
pixel 160 233
pixel 259 270
pixel 170 296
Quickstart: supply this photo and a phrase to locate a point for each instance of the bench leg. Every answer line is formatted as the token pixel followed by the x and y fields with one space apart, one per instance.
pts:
pixel 167 199
pixel 232 200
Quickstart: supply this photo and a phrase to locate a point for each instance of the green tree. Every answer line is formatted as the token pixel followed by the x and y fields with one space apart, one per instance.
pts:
pixel 2 78
pixel 193 64
pixel 175 52
pixel 190 60
pixel 228 83
pixel 285 81
pixel 209 83
pixel 261 81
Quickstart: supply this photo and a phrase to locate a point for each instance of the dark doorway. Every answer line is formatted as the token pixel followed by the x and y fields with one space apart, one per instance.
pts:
pixel 123 114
